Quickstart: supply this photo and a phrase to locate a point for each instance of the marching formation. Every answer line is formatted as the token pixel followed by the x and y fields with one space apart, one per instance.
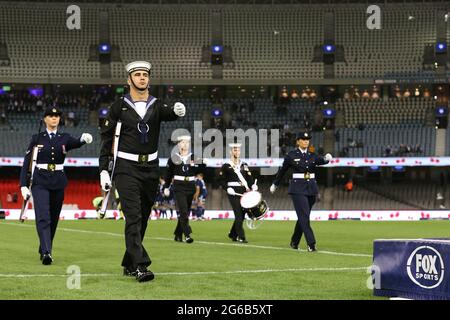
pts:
pixel 129 164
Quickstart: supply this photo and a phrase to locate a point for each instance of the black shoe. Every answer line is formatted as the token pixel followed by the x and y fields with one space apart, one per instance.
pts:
pixel 231 237
pixel 294 245
pixel 312 248
pixel 143 275
pixel 178 239
pixel 241 240
pixel 128 273
pixel 47 259
pixel 189 240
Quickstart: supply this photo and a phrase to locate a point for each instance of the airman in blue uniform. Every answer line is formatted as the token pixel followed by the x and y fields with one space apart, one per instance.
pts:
pixel 303 186
pixel 49 179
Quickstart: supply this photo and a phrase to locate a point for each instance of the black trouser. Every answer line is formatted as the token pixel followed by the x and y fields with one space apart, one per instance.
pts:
pixel 303 204
pixel 183 200
pixel 237 229
pixel 47 207
pixel 137 194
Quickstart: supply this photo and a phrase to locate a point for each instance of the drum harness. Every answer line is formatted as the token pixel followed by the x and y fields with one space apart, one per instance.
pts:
pixel 237 170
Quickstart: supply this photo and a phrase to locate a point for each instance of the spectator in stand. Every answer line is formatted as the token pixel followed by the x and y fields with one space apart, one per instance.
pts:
pixel 365 94
pixel 304 95
pixel 407 93
pixel 346 95
pixel 418 149
pixel 388 151
pixel 348 187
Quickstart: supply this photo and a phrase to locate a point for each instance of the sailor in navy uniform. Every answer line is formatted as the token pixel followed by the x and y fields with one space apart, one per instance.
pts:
pixel 49 179
pixel 303 187
pixel 182 168
pixel 236 178
pixel 136 169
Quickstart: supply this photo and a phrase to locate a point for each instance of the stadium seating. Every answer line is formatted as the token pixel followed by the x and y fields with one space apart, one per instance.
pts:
pixel 391 111
pixel 41 46
pixel 268 43
pixel 374 139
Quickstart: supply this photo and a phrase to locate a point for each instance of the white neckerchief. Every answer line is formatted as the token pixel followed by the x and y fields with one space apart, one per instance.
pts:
pixel 147 106
pixel 237 170
pixel 185 158
pixel 140 108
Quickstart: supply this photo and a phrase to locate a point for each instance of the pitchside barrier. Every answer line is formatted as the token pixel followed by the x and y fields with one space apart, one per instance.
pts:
pixel 273 162
pixel 316 215
pixel 412 268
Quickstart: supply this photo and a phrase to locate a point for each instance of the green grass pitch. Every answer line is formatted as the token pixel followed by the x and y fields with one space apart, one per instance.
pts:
pixel 211 268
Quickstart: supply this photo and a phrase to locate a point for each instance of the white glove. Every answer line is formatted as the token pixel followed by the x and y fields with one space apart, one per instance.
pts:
pixel 328 157
pixel 166 192
pixel 205 161
pixel 179 109
pixel 86 137
pixel 105 180
pixel 25 193
pixel 231 191
pixel 255 187
pixel 273 188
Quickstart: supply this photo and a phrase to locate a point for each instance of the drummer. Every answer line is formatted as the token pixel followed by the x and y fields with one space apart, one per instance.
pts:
pixel 236 178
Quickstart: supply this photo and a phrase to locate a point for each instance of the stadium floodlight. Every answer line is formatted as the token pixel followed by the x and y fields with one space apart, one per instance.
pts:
pixel 104 48
pixel 329 48
pixel 329 113
pixel 441 47
pixel 217 49
pixel 441 111
pixel 36 92
pixel 216 54
pixel 102 113
pixel 216 113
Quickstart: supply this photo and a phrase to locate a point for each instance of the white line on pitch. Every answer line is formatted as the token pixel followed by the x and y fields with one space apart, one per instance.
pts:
pixel 205 242
pixel 189 273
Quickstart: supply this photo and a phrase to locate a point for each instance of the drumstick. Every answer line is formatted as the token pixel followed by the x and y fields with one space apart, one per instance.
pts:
pixel 238 194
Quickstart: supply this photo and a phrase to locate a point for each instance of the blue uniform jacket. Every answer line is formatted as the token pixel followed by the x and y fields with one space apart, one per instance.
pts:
pixel 51 151
pixel 300 163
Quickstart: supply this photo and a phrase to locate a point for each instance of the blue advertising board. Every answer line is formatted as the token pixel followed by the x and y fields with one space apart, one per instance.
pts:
pixel 413 269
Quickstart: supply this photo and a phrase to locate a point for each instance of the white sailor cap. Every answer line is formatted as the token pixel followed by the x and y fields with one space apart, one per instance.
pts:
pixel 138 65
pixel 180 138
pixel 235 145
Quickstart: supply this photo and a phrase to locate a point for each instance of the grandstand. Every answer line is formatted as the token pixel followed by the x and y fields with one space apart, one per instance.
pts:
pixel 266 44
pixel 375 99
pixel 271 48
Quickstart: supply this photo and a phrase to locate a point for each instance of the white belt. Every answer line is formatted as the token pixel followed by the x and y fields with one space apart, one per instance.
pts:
pixel 184 178
pixel 303 176
pixel 50 166
pixel 138 157
pixel 234 184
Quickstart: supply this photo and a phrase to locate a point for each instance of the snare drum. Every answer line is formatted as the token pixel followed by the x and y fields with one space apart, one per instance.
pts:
pixel 253 204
